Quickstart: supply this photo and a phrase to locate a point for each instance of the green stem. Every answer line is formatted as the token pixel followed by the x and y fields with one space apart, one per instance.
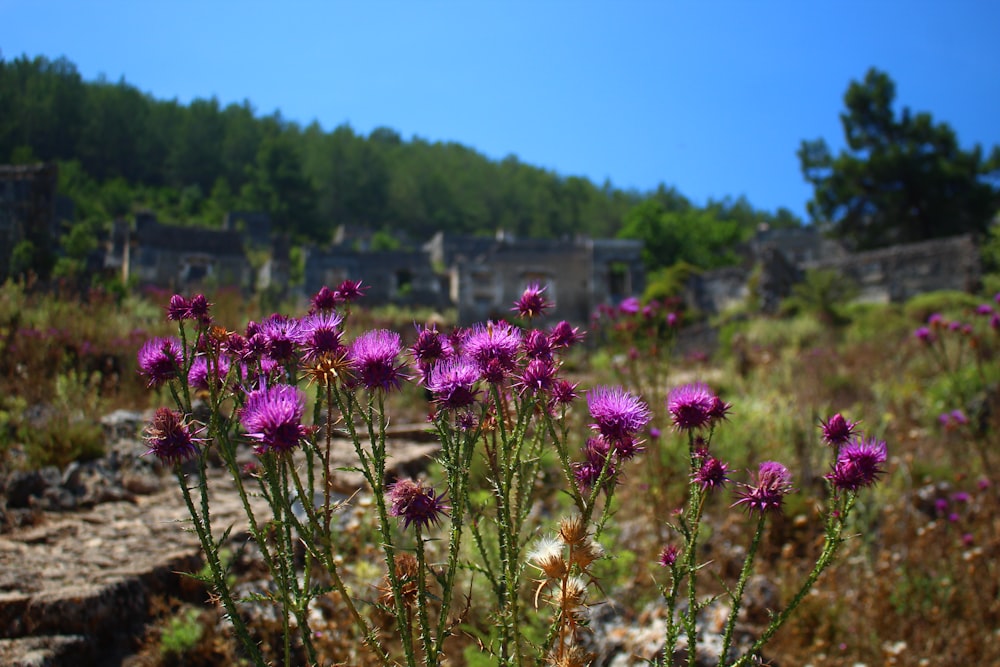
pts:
pixel 737 596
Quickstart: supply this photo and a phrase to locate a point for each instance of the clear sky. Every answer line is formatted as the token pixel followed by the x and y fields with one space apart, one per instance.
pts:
pixel 710 97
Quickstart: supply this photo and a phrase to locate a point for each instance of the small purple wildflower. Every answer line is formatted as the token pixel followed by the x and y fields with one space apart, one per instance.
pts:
pixel 588 472
pixel 924 335
pixel 532 303
pixel 320 333
pixel 169 438
pixel 272 416
pixel 984 309
pixel 374 359
pixel 564 335
pixel 774 482
pixel 564 392
pixel 692 406
pixel 198 309
pixel 179 308
pixel 415 503
pixel 325 300
pixel 538 376
pixel 837 430
pixel 669 555
pixel 629 306
pixel 618 414
pixel 430 346
pixel 453 381
pixel 537 345
pixel 159 360
pixel 713 474
pixel 860 463
pixel 283 336
pixel 199 371
pixel 493 347
pixel 350 290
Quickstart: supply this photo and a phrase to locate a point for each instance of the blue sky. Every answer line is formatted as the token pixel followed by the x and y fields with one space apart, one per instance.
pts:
pixel 710 97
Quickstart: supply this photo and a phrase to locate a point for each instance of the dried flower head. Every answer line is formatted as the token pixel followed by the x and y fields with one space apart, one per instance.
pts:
pixel 415 503
pixel 407 573
pixel 586 553
pixel 573 530
pixel 169 438
pixel 548 556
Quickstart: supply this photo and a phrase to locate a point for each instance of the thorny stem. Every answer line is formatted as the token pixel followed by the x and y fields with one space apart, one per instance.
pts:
pixel 737 596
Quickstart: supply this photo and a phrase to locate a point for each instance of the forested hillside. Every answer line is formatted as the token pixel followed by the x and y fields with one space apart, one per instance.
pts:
pixel 121 150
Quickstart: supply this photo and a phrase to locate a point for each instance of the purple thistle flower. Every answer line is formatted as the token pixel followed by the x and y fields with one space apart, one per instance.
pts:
pixel 564 392
pixel 273 417
pixel 693 406
pixel 532 303
pixel 320 334
pixel 199 371
pixel 984 309
pixel 537 345
pixel 618 415
pixel 774 482
pixel 538 376
pixel 493 347
pixel 629 306
pixel 712 474
pixel 628 448
pixel 415 503
pixel 430 346
pixel 178 309
pixel 673 319
pixel 564 335
pixel 837 430
pixel 159 360
pixel 169 438
pixel 859 464
pixel 350 290
pixel 596 453
pixel 452 382
pixel 283 336
pixel 374 359
pixel 198 309
pixel 325 300
pixel 924 335
pixel 669 555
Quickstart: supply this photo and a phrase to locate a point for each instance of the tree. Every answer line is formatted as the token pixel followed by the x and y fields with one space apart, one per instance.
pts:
pixel 901 179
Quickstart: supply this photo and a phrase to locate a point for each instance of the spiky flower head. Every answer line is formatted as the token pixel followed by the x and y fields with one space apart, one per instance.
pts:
pixel 415 503
pixel 668 556
pixel 493 347
pixel 282 337
pixel 325 300
pixel 859 464
pixel 375 362
pixel 618 414
pixel 198 375
pixel 320 334
pixel 564 334
pixel 532 303
pixel 198 309
pixel 924 335
pixel 272 416
pixel 537 345
pixel 169 438
pixel 453 382
pixel 712 474
pixel 774 482
pixel 430 346
pixel 538 376
pixel 629 306
pixel 693 406
pixel 179 308
pixel 564 392
pixel 350 290
pixel 597 458
pixel 837 430
pixel 159 360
